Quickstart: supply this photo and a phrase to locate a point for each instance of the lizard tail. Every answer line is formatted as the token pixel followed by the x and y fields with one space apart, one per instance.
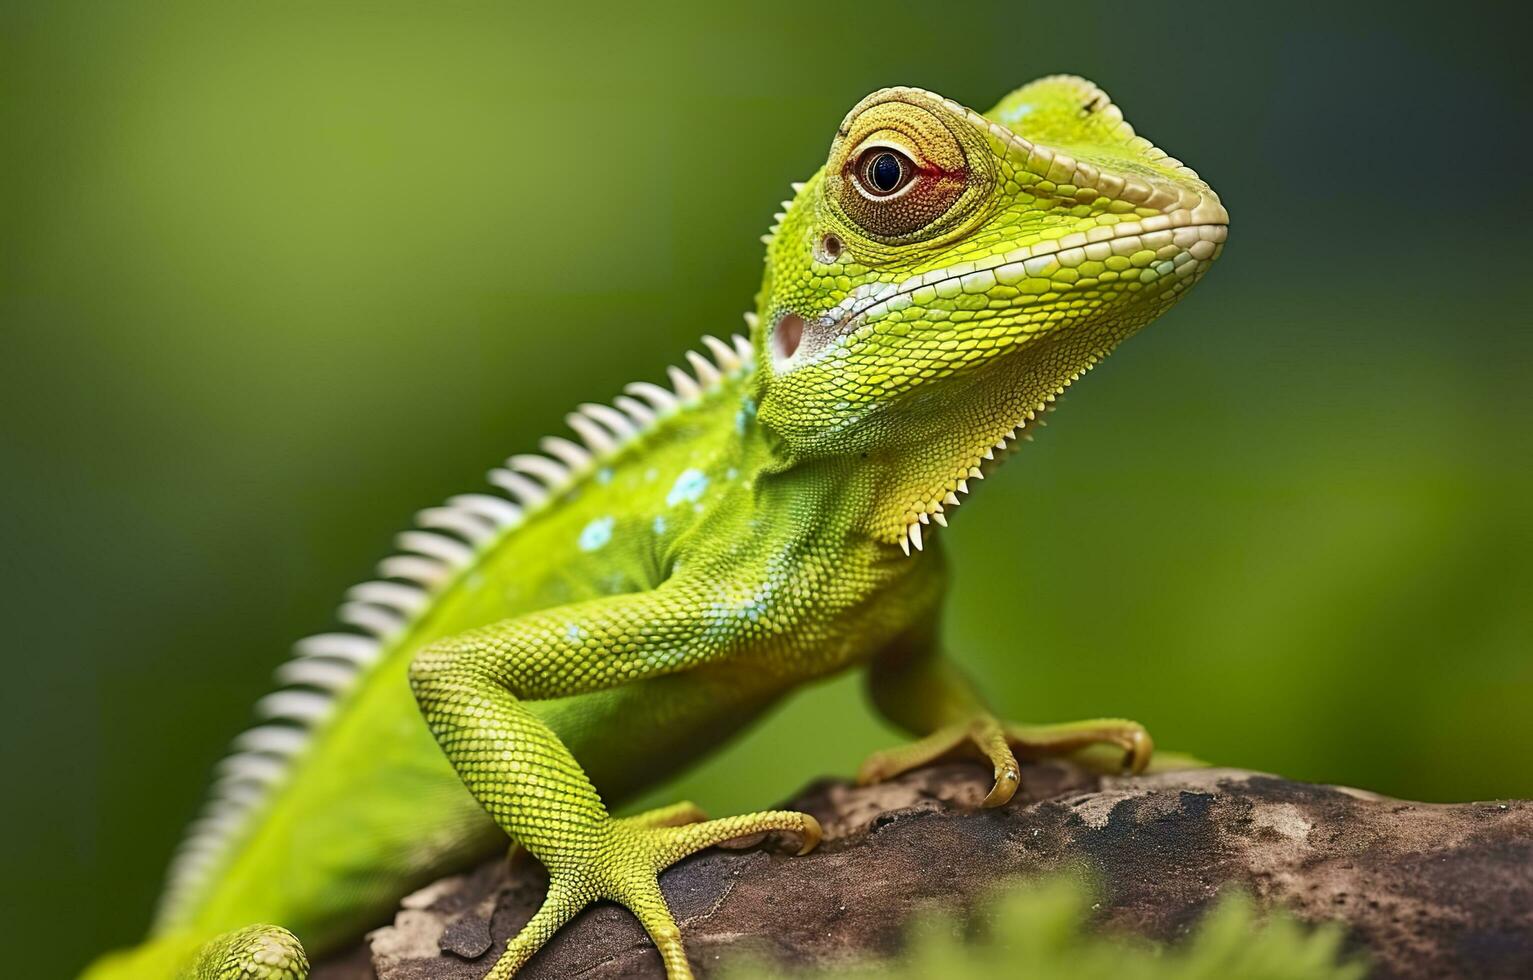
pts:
pixel 258 952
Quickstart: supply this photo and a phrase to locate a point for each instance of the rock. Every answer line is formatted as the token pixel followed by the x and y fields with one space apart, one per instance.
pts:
pixel 1428 890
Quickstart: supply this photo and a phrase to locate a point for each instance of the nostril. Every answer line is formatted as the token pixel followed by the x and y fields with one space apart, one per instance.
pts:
pixel 787 335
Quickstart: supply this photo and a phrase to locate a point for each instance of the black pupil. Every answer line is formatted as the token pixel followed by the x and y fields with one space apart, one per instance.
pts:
pixel 885 172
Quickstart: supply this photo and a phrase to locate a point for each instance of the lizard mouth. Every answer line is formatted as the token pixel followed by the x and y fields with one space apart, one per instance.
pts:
pixel 1175 238
pixel 1196 233
pixel 797 340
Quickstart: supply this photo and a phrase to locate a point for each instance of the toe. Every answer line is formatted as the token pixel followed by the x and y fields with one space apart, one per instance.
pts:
pixel 645 900
pixel 673 843
pixel 559 906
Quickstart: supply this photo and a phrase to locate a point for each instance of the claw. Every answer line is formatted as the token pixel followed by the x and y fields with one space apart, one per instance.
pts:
pixel 1137 756
pixel 812 834
pixel 1007 780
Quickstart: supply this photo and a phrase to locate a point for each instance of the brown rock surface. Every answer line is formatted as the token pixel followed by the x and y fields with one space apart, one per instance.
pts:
pixel 1429 890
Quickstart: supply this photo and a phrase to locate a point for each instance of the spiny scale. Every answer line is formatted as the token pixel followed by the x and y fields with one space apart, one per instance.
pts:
pixel 447 539
pixel 913 536
pixel 778 218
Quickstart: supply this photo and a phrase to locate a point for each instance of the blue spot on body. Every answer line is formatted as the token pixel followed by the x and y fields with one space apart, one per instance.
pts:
pixel 604 475
pixel 745 414
pixel 658 524
pixel 689 486
pixel 596 534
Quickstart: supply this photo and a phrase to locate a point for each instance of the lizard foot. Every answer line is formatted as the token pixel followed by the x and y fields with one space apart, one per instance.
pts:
pixel 675 815
pixel 623 863
pixel 1002 744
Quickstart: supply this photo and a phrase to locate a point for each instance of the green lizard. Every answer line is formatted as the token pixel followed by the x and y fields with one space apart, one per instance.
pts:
pixel 637 595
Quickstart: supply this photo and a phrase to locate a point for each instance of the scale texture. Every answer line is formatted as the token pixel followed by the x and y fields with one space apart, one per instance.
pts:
pixel 642 590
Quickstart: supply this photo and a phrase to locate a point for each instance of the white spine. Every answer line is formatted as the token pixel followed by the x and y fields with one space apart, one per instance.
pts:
pixel 446 540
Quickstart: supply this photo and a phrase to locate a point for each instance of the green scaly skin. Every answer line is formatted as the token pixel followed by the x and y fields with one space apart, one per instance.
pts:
pixel 639 598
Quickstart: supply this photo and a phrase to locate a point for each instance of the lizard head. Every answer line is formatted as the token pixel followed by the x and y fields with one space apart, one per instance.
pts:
pixel 946 274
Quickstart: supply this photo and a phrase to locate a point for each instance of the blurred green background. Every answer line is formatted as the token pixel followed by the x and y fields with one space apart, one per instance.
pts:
pixel 273 276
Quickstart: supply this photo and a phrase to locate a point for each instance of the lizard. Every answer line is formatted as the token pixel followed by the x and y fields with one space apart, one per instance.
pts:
pixel 633 595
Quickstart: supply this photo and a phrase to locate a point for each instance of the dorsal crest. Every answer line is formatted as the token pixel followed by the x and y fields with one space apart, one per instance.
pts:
pixel 445 542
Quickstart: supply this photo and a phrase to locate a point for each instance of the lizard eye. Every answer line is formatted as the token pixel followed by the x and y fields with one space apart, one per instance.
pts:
pixel 904 170
pixel 883 171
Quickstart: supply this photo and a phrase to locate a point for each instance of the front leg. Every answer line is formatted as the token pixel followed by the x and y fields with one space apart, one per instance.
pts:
pixel 923 692
pixel 472 690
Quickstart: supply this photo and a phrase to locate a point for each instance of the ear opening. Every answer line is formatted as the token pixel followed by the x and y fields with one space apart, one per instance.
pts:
pixel 793 341
pixel 787 334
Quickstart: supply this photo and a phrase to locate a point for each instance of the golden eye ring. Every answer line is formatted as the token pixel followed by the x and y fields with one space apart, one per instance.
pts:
pixel 903 170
